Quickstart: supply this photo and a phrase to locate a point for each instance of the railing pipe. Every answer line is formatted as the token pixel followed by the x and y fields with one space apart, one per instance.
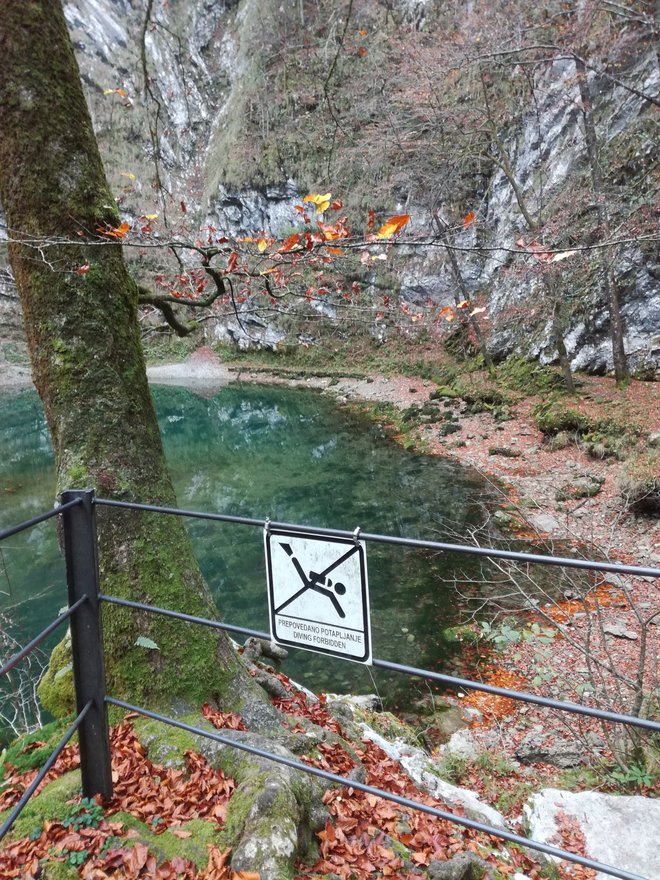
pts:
pixel 14 530
pixel 80 550
pixel 469 549
pixel 187 618
pixel 449 680
pixel 9 665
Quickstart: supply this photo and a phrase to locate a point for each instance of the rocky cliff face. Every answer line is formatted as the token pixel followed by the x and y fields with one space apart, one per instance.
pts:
pixel 227 113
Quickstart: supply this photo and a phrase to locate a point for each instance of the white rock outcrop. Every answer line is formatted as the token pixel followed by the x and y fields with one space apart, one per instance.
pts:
pixel 619 830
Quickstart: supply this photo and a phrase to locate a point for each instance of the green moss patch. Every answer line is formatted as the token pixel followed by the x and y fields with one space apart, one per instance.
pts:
pixel 31 750
pixel 167 844
pixel 53 802
pixel 164 744
pixel 599 437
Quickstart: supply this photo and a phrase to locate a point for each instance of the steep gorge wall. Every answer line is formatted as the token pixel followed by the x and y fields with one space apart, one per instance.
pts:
pixel 248 105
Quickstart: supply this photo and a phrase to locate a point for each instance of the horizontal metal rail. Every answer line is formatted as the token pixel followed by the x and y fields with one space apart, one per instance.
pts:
pixel 493 552
pixel 14 530
pixel 451 680
pixel 547 849
pixel 9 665
pixel 38 779
pixel 188 618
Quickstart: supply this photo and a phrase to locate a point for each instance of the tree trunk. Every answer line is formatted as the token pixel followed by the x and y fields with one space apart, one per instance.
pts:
pixel 558 332
pixel 607 280
pixel 80 312
pixel 458 277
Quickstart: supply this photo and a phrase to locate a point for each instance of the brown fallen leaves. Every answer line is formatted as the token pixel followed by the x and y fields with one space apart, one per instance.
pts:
pixel 162 797
pixel 367 837
pixel 571 837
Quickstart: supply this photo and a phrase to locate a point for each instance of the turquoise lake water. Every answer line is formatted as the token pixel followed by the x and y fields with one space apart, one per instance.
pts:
pixel 265 451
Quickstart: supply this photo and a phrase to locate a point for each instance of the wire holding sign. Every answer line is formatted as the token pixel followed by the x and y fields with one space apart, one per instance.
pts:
pixel 309 608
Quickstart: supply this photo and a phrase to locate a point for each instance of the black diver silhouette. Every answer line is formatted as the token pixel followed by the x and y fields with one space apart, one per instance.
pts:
pixel 319 582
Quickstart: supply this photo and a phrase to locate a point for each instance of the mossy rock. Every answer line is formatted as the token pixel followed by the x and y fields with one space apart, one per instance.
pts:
pixel 448 391
pixel 529 376
pixel 166 745
pixel 485 400
pixel 639 483
pixel 449 428
pixel 56 687
pixel 504 520
pixel 166 845
pixel 600 446
pixel 561 440
pixel 555 417
pixel 586 487
pixel 505 451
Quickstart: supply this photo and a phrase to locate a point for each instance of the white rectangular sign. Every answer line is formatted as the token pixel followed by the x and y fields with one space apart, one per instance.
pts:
pixel 318 593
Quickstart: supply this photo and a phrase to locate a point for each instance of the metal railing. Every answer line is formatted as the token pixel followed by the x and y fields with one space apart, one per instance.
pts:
pixel 78 518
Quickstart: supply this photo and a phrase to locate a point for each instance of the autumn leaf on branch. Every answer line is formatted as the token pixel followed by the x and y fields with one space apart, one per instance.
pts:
pixel 564 255
pixel 539 252
pixel 469 219
pixel 447 313
pixel 322 202
pixel 392 226
pixel 114 231
pixel 291 243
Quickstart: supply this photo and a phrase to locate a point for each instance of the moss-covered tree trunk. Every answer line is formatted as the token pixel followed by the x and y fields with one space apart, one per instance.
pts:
pixel 80 311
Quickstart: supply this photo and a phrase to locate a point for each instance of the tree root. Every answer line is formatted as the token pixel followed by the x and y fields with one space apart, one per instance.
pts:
pixel 274 812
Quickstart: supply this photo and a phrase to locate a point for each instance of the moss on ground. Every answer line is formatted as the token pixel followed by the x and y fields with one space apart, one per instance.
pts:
pixel 31 750
pixel 52 802
pixel 165 845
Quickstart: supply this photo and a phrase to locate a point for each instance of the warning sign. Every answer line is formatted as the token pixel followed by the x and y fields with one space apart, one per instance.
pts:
pixel 318 593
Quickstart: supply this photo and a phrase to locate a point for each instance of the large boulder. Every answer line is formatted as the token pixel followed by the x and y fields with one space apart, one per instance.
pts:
pixel 621 831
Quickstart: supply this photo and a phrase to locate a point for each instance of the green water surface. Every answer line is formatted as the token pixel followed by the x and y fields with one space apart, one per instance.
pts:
pixel 265 451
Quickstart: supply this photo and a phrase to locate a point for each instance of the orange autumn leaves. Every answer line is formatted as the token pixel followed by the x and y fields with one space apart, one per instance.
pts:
pixel 365 837
pixel 266 265
pixel 392 226
pixel 164 798
pixel 337 231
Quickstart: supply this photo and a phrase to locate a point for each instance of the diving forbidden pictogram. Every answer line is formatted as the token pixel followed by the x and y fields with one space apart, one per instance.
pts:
pixel 318 593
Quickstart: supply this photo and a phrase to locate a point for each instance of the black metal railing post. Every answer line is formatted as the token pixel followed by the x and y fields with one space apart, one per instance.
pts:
pixel 81 553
